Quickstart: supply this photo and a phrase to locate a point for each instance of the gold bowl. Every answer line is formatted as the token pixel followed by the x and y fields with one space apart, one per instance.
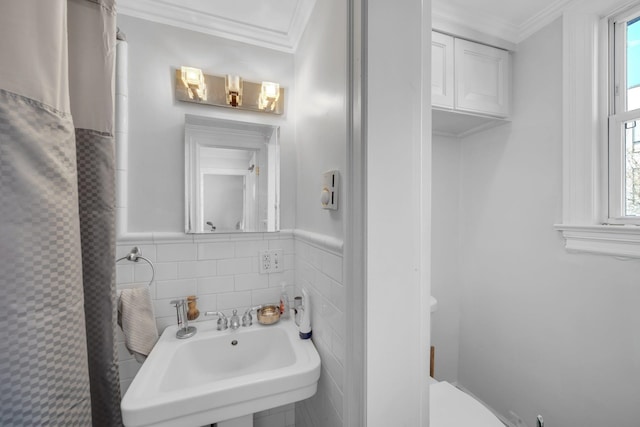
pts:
pixel 268 314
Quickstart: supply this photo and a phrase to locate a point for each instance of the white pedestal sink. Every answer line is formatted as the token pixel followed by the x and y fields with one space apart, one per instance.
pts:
pixel 221 376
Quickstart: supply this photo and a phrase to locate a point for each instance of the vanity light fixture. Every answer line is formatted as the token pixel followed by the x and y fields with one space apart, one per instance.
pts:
pixel 269 95
pixel 233 89
pixel 193 80
pixel 229 91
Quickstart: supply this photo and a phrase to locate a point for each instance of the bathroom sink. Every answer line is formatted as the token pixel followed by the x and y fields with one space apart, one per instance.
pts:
pixel 220 375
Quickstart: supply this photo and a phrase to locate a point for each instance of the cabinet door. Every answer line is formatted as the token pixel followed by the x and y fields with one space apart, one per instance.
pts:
pixel 482 78
pixel 441 70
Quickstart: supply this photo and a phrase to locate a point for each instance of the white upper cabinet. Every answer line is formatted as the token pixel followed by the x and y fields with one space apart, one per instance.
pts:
pixel 482 78
pixel 470 85
pixel 442 70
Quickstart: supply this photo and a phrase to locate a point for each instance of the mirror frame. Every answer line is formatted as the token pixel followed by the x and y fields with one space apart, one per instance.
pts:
pixel 232 134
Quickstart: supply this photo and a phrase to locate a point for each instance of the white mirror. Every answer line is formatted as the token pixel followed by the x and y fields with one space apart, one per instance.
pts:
pixel 232 176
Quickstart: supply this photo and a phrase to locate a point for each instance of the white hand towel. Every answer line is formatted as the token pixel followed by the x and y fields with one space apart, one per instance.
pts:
pixel 138 322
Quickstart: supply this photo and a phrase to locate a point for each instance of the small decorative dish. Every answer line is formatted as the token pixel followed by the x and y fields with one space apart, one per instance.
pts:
pixel 268 314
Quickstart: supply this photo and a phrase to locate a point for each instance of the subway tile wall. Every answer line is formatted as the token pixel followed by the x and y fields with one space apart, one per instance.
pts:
pixel 224 274
pixel 319 270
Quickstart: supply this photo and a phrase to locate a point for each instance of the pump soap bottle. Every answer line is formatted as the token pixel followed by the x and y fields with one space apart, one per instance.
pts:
pixel 284 301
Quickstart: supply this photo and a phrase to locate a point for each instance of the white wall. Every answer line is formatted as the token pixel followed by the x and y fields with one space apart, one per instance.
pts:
pixel 398 174
pixel 156 122
pixel 222 270
pixel 321 138
pixel 321 112
pixel 230 279
pixel 446 279
pixel 542 331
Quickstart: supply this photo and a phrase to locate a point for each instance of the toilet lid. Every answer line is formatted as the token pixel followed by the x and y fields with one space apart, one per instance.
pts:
pixel 451 407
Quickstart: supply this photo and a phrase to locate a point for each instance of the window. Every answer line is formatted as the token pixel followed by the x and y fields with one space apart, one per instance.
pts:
pixel 587 211
pixel 624 118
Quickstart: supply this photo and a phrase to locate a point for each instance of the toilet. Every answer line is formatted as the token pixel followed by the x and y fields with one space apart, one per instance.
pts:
pixel 451 407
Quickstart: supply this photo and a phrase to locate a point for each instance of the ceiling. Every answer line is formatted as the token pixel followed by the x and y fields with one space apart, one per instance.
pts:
pixel 279 24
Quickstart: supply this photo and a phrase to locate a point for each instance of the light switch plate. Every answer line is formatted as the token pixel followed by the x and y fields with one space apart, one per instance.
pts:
pixel 329 190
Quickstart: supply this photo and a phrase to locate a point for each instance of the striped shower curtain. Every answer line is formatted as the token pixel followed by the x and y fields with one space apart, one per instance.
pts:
pixel 58 364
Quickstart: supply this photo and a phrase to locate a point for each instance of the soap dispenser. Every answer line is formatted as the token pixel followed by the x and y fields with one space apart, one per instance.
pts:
pixel 304 328
pixel 284 302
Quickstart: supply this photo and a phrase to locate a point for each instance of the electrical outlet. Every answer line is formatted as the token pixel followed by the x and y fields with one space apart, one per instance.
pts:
pixel 271 261
pixel 265 262
pixel 516 420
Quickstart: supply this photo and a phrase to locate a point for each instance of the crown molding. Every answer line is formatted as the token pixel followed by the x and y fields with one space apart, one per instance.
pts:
pixel 542 19
pixel 470 24
pixel 491 30
pixel 167 12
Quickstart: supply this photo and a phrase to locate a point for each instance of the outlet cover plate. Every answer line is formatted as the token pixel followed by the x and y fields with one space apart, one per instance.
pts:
pixel 271 261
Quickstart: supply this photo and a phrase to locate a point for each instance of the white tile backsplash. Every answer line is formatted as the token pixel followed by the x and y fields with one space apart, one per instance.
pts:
pixel 124 273
pixel 206 268
pixel 215 285
pixel 142 272
pixel 223 273
pixel 207 302
pixel 164 308
pixel 176 252
pixel 332 266
pixel 269 295
pixel 231 300
pixel 220 250
pixel 251 281
pixel 319 270
pixel 166 270
pixel 188 270
pixel 287 245
pixel 237 266
pixel 250 248
pixel 175 288
pixel 276 279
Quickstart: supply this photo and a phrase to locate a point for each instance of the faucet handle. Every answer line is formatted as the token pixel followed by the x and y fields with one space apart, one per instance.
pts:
pixel 234 322
pixel 247 319
pixel 222 319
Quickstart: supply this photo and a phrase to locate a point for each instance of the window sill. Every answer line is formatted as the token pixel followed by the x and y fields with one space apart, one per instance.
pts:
pixel 614 240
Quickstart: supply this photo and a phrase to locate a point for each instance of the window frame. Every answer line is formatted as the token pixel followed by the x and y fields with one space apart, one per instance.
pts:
pixel 585 155
pixel 618 115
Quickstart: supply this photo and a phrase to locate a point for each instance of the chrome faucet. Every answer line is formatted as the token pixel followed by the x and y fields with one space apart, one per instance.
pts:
pixel 234 322
pixel 223 322
pixel 184 330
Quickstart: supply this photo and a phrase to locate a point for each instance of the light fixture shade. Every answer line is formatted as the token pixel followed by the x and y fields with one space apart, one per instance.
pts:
pixel 269 95
pixel 193 79
pixel 233 89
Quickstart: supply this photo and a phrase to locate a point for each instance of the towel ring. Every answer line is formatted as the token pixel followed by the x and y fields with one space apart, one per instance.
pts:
pixel 136 254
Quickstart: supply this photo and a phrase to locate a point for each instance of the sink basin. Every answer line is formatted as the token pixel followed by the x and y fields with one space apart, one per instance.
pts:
pixel 220 375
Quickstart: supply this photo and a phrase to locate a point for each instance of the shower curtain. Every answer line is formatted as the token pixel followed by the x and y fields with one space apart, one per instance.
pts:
pixel 58 364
